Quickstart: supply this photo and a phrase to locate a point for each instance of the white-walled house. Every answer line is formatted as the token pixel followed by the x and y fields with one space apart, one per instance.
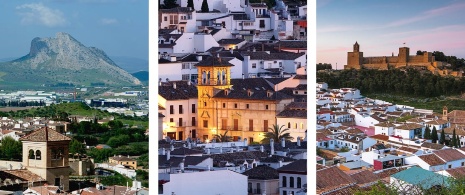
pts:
pixel 213 182
pixel 266 64
pixel 428 162
pixel 223 6
pixel 262 180
pixel 180 18
pixel 294 117
pixel 409 130
pixel 385 128
pixel 293 177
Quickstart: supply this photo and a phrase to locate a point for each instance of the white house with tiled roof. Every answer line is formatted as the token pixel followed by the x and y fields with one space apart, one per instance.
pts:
pixel 385 128
pixel 294 118
pixel 293 177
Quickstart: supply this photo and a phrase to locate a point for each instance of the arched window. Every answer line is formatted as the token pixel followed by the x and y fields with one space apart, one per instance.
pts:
pixel 289 125
pixel 284 181
pixel 54 154
pixel 38 157
pixel 295 125
pixel 31 154
pixel 204 77
pixel 60 153
pixel 301 125
pixel 299 182
pixel 291 182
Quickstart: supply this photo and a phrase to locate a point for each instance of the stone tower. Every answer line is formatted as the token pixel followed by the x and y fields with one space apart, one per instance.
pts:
pixel 404 53
pixel 45 153
pixel 354 58
pixel 214 74
pixel 444 113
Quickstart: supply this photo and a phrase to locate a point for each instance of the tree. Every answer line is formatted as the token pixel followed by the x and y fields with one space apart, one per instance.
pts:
pixel 427 134
pixel 190 3
pixel 168 4
pixel 204 7
pixel 454 139
pixel 434 135
pixel 419 53
pixel 11 149
pixel 457 141
pixel 76 147
pixel 442 139
pixel 277 133
pixel 223 138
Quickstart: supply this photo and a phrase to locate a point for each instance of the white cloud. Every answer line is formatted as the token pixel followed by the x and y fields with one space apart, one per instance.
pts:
pixel 39 14
pixel 108 21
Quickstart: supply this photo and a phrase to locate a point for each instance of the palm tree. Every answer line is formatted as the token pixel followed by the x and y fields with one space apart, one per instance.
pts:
pixel 277 133
pixel 223 138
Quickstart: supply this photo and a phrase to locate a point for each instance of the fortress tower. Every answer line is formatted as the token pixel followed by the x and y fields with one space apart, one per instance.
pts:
pixel 354 58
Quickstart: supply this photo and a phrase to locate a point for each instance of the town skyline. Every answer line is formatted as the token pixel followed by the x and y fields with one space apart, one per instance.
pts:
pixel 120 28
pixel 431 26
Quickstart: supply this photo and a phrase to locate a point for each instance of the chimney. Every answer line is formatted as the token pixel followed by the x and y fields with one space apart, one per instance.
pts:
pixel 181 165
pixel 163 152
pixel 168 155
pixel 173 58
pixel 189 145
pixel 208 150
pixel 245 141
pixel 272 146
pixel 254 50
pixel 262 149
pixel 280 162
pixel 231 50
pixel 199 58
pixel 221 149
pixel 283 142
pixel 174 85
pixel 208 167
pixel 172 147
pixel 189 82
pixel 298 140
pixel 243 76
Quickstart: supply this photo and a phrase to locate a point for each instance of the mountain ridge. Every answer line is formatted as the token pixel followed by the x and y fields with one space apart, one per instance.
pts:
pixel 64 59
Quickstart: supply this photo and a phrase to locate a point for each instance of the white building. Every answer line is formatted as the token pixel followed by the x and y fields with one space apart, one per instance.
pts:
pixel 213 182
pixel 293 177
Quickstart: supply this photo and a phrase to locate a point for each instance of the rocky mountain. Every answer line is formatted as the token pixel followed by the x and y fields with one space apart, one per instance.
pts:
pixel 63 59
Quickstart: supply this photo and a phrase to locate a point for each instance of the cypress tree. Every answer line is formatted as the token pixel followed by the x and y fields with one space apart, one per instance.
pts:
pixel 427 134
pixel 190 3
pixel 457 139
pixel 434 135
pixel 442 139
pixel 205 6
pixel 454 139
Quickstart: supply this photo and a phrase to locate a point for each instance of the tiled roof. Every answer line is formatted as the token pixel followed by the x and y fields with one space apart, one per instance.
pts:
pixel 386 173
pixel 185 151
pixel 262 172
pixel 331 178
pixel 432 159
pixel 215 49
pixel 385 124
pixel 235 54
pixel 409 126
pixel 364 177
pixel 437 122
pixel 40 136
pixel 415 120
pixel 300 77
pixel 293 114
pixel 459 130
pixel 449 154
pixel 122 158
pixel 177 10
pixel 21 174
pixel 231 157
pixel 296 166
pixel 262 55
pixel 408 149
pixel 432 145
pixel 230 41
pixel 347 190
pixel 457 173
pixel 380 137
pixel 214 61
pixel 292 44
pixel 174 161
pixel 457 117
pixel 276 158
pixel 182 91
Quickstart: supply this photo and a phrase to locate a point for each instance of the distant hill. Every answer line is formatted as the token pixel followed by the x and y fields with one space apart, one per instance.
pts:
pixel 63 59
pixel 143 76
pixel 131 64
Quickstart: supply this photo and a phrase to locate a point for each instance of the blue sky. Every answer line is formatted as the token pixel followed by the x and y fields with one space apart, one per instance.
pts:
pixel 119 27
pixel 381 27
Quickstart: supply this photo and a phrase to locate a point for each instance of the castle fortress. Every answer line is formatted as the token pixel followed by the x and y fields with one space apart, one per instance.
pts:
pixel 356 60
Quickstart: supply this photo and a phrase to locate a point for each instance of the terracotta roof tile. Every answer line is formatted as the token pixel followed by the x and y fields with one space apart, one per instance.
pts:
pixel 364 177
pixel 40 136
pixel 432 159
pixel 262 172
pixel 331 178
pixel 457 173
pixel 449 154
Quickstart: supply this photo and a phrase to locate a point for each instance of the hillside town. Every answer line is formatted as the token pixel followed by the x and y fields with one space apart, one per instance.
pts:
pixel 232 98
pixel 364 141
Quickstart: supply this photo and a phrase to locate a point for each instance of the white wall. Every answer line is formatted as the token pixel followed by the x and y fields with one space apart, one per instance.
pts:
pixel 213 182
pixel 170 71
pixel 287 188
pixel 203 42
pixel 295 132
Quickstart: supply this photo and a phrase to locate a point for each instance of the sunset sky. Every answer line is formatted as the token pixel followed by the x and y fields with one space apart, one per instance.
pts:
pixel 381 27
